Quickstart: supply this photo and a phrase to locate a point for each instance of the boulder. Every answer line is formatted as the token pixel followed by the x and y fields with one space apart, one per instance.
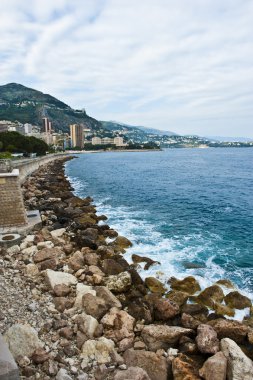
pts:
pixel 226 283
pixel 90 258
pixel 221 309
pixel 45 244
pixel 165 309
pixel 108 296
pixel 184 368
pixel 22 340
pixel 76 261
pixel 230 329
pixel 118 324
pixel 58 233
pixel 156 366
pixel 178 297
pixel 101 350
pixel 239 367
pixel 189 322
pixel 121 243
pixel 58 278
pixel 210 295
pixel 111 267
pixel 162 336
pixel 87 324
pixel 237 301
pixel 188 285
pixel 94 306
pixel 135 373
pixel 81 290
pixel 31 270
pixel 142 259
pixel 141 310
pixel 39 356
pixel 119 283
pixel 154 285
pixel 215 367
pixel 62 290
pixel 207 340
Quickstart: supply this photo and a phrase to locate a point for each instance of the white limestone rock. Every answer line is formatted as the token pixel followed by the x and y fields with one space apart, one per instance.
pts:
pixel 240 367
pixel 22 340
pixel 100 350
pixel 58 233
pixel 82 289
pixel 59 278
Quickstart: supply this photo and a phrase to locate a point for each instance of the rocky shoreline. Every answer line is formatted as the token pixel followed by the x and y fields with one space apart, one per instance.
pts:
pixel 73 308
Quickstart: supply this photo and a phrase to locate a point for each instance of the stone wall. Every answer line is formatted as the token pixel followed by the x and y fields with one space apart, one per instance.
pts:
pixel 12 210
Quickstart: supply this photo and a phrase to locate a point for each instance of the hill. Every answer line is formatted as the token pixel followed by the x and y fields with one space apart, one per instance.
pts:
pixel 27 105
pixel 114 125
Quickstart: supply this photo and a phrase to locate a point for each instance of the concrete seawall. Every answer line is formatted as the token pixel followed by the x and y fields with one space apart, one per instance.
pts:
pixel 27 166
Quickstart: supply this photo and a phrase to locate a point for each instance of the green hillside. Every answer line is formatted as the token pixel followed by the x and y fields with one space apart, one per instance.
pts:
pixel 27 105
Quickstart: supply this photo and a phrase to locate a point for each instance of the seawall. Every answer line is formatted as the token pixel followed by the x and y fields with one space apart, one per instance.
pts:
pixel 29 165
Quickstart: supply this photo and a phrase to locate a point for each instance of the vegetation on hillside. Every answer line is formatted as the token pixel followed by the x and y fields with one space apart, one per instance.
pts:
pixel 14 142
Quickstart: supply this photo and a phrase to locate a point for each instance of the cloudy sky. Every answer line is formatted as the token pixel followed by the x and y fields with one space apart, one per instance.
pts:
pixel 180 65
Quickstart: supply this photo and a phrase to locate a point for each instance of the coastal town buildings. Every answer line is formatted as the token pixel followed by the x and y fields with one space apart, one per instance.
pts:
pixel 46 125
pixel 77 135
pixel 118 141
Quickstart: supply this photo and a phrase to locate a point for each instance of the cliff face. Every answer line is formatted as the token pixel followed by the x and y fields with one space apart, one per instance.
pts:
pixel 27 105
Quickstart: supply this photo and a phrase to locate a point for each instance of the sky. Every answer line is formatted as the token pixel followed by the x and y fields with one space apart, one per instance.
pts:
pixel 179 65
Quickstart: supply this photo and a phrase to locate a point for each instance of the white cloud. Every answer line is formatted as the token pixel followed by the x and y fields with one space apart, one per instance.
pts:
pixel 184 66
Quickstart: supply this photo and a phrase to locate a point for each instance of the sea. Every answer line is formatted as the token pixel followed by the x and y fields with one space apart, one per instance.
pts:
pixel 189 209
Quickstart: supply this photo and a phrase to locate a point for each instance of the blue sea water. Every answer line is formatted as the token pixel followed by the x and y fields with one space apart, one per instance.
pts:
pixel 181 207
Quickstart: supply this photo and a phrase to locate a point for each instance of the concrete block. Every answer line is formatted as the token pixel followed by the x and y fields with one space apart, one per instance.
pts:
pixel 8 367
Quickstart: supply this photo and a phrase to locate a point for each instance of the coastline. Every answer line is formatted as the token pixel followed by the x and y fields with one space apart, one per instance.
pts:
pixel 103 299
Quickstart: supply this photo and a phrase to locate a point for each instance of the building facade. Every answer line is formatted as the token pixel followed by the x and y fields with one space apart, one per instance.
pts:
pixel 77 135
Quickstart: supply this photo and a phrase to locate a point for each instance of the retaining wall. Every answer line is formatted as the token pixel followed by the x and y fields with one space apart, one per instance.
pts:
pixel 27 166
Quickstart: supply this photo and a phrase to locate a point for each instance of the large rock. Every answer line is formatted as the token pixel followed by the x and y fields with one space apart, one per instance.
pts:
pixel 165 309
pixel 22 340
pixel 178 297
pixel 108 296
pixel 118 324
pixel 58 278
pixel 240 367
pixel 58 233
pixel 184 368
pixel 111 267
pixel 81 290
pixel 94 306
pixel 237 300
pixel 154 285
pixel 162 336
pixel 215 367
pixel 45 254
pixel 87 324
pixel 119 283
pixel 121 243
pixel 210 295
pixel 135 373
pixel 76 261
pixel 207 340
pixel 230 329
pixel 101 350
pixel 155 366
pixel 188 285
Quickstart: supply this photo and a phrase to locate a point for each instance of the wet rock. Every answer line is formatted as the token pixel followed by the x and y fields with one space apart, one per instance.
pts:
pixel 237 301
pixel 221 309
pixel 154 285
pixel 184 368
pixel 135 373
pixel 188 285
pixel 119 283
pixel 210 295
pixel 207 340
pixel 189 322
pixel 58 278
pixel 22 340
pixel 62 290
pixel 165 309
pixel 240 367
pixel 121 243
pixel 155 366
pixel 162 336
pixel 118 324
pixel 94 306
pixel 140 310
pixel 178 297
pixel 226 283
pixel 195 310
pixel 215 367
pixel 101 350
pixel 108 296
pixel 230 329
pixel 111 267
pixel 142 259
